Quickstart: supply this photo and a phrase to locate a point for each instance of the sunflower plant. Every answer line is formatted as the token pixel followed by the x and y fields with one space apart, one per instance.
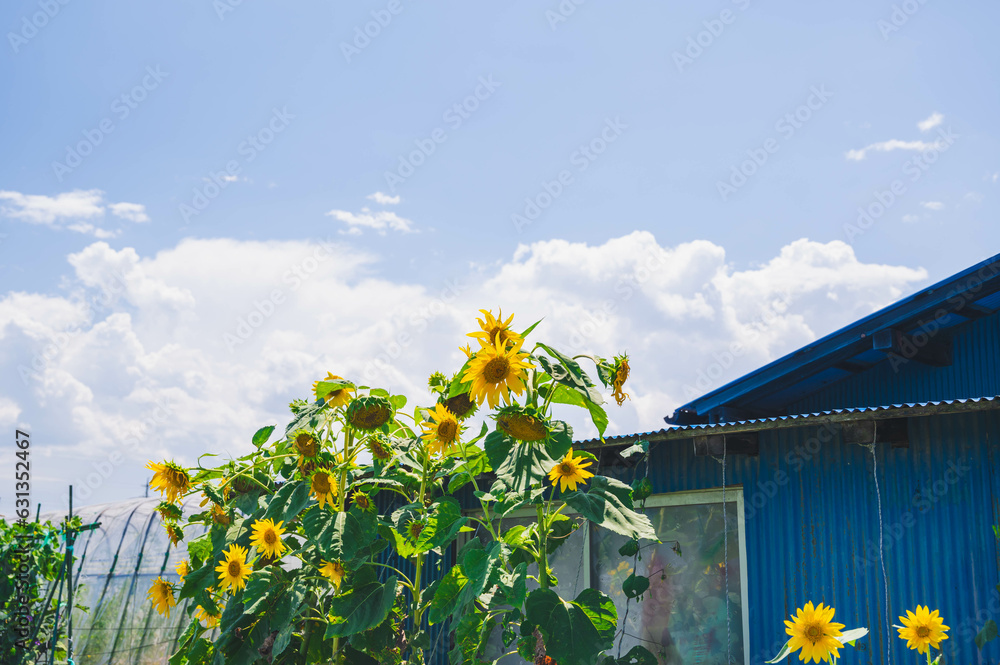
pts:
pixel 923 631
pixel 816 636
pixel 299 559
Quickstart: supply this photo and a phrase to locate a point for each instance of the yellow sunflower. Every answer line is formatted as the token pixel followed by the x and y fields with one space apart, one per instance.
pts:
pixel 922 629
pixel 337 397
pixel 618 381
pixel 267 538
pixel 570 471
pixel 495 371
pixel 813 631
pixel 182 569
pixel 333 571
pixel 441 430
pixel 162 596
pixel 380 447
pixel 494 327
pixel 169 479
pixel 322 488
pixel 234 570
pixel 211 620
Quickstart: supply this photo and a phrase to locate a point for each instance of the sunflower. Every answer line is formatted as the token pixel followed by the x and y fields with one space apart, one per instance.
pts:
pixel 182 569
pixel 570 471
pixel 219 516
pixel 162 596
pixel 169 511
pixel 441 430
pixel 174 532
pixel 322 488
pixel 369 413
pixel 334 571
pixel 495 371
pixel 363 501
pixel 495 327
pixel 234 570
pixel 619 378
pixel 305 443
pixel 380 447
pixel 524 424
pixel 338 397
pixel 211 620
pixel 169 479
pixel 267 538
pixel 812 630
pixel 461 405
pixel 922 629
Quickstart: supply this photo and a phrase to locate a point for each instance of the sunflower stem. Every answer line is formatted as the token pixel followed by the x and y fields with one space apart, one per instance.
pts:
pixel 543 559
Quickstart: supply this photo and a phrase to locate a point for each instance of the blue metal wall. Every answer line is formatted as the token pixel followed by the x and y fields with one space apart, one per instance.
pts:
pixel 974 373
pixel 812 529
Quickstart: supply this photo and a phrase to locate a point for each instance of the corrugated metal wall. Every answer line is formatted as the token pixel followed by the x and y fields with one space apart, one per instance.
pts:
pixel 974 373
pixel 812 529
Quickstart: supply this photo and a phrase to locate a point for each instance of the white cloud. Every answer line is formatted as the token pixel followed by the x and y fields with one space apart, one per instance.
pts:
pixel 888 146
pixel 381 221
pixel 909 219
pixel 930 122
pixel 192 349
pixel 9 413
pixel 932 205
pixel 383 199
pixel 77 210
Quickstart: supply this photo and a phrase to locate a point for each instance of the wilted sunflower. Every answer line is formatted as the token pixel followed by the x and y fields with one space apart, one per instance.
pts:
pixel 495 371
pixel 461 405
pixel 492 328
pixel 813 631
pixel 524 424
pixel 211 620
pixel 380 447
pixel 233 570
pixel 162 596
pixel 441 430
pixel 174 532
pixel 338 397
pixel 169 511
pixel 305 443
pixel 922 629
pixel 169 479
pixel 369 413
pixel 182 569
pixel 322 488
pixel 267 538
pixel 570 471
pixel 333 571
pixel 619 378
pixel 219 515
pixel 363 501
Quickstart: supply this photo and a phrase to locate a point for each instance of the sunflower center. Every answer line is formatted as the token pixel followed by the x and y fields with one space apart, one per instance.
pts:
pixel 566 469
pixel 813 633
pixel 923 631
pixel 321 483
pixel 447 430
pixel 496 370
pixel 270 537
pixel 235 568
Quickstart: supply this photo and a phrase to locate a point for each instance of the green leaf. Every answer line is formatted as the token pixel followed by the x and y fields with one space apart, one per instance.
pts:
pixel 464 582
pixel 634 586
pixel 782 654
pixel 262 435
pixel 345 536
pixel 397 401
pixel 988 633
pixel 641 489
pixel 458 386
pixel 852 636
pixel 527 331
pixel 308 418
pixel 513 586
pixel 198 580
pixel 637 655
pixel 525 465
pixel 288 502
pixel 360 609
pixel 582 397
pixel 608 503
pixel 635 449
pixel 574 632
pixel 262 585
pixel 630 548
pixel 324 388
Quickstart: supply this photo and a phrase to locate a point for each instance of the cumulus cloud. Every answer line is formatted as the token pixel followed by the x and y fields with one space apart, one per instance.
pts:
pixel 77 210
pixel 930 122
pixel 381 221
pixel 192 349
pixel 932 205
pixel 889 146
pixel 383 199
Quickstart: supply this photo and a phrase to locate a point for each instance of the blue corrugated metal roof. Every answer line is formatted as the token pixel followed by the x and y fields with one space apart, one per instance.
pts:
pixel 970 295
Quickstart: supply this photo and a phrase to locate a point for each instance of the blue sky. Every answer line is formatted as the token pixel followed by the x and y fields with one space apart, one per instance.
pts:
pixel 669 100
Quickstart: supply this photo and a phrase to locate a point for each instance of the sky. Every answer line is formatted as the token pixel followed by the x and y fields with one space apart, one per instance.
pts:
pixel 206 206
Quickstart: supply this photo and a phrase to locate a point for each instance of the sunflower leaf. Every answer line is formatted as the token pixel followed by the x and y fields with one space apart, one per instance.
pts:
pixel 852 636
pixel 635 585
pixel 988 633
pixel 307 418
pixel 465 581
pixel 261 436
pixel 577 631
pixel 637 655
pixel 360 609
pixel 527 331
pixel 608 502
pixel 288 502
pixel 582 397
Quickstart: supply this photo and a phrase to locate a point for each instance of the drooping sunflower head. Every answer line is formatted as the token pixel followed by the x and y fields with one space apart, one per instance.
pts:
pixel 522 423
pixel 438 383
pixel 495 371
pixel 333 571
pixel 494 328
pixel 323 488
pixel 380 447
pixel 570 471
pixel 169 479
pixel 369 413
pixel 234 569
pixel 335 398
pixel 922 629
pixel 174 532
pixel 305 443
pixel 211 620
pixel 813 631
pixel 619 378
pixel 363 501
pixel 462 405
pixel 219 516
pixel 182 569
pixel 169 511
pixel 441 430
pixel 161 593
pixel 267 538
